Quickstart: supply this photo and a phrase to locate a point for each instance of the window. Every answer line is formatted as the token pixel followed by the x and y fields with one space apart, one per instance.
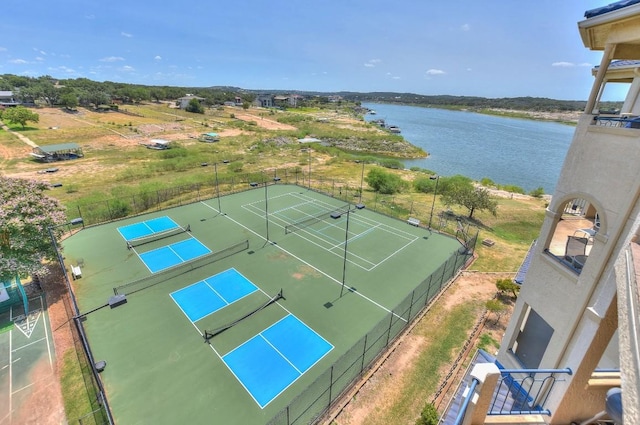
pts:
pixel 572 237
pixel 532 340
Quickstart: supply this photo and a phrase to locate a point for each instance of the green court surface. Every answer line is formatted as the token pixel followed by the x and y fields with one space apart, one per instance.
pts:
pixel 159 368
pixel 26 360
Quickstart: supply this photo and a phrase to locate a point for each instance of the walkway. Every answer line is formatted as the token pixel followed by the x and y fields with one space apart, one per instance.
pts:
pixel 22 137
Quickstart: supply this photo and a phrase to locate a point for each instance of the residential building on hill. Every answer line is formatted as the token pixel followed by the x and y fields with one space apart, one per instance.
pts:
pixel 571 351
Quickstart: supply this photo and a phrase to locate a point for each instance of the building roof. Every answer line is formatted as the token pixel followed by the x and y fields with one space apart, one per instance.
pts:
pixel 609 8
pixel 6 93
pixel 59 147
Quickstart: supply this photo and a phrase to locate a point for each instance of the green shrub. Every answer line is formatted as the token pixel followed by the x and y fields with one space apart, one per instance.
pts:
pixel 537 193
pixel 429 415
pixel 487 182
pixel 512 188
pixel 424 184
pixel 394 164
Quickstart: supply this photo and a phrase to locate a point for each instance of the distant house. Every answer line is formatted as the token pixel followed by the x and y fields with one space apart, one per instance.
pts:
pixel 294 99
pixel 209 137
pixel 7 98
pixel 287 101
pixel 264 101
pixel 281 101
pixel 183 102
pixel 59 152
pixel 238 101
pixel 335 98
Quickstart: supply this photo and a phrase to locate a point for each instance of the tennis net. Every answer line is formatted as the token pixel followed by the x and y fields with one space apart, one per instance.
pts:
pixel 298 225
pixel 210 334
pixel 157 236
pixel 170 273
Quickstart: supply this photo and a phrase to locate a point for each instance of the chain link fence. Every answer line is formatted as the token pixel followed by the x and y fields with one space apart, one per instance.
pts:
pixel 316 400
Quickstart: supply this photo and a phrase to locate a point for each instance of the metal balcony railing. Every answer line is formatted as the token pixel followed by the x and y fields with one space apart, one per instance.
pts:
pixel 517 392
pixel 617 121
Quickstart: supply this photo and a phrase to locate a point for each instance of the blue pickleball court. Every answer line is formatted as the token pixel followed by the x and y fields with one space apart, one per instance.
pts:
pixel 213 293
pixel 171 255
pixel 271 361
pixel 147 228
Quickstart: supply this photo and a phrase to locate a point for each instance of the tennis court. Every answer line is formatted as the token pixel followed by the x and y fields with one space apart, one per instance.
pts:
pixel 268 293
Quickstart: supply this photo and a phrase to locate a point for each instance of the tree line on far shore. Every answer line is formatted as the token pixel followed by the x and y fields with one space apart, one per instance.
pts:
pixel 82 91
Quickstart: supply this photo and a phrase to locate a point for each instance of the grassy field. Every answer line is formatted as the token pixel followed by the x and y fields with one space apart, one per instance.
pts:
pixel 116 166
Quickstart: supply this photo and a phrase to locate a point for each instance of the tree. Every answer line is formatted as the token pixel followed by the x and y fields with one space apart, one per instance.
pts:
pixel 158 94
pixel 470 197
pixel 26 216
pixel 383 182
pixel 69 100
pixel 496 307
pixel 507 285
pixel 20 115
pixel 195 106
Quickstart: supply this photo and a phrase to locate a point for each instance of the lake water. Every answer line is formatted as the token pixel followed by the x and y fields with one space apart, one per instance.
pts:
pixel 511 151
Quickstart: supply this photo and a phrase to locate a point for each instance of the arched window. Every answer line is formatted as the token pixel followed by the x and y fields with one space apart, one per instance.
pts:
pixel 572 237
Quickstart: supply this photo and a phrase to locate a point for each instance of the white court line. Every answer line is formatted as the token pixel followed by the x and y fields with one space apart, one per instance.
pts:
pixel 318 270
pixel 29 344
pixel 46 332
pixel 368 223
pixel 281 355
pixel 11 372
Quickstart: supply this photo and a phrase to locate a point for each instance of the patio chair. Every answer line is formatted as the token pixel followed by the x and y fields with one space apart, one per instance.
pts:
pixel 575 251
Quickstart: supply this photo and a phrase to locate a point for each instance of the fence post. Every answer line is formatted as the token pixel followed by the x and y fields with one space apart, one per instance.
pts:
pixel 410 305
pixel 330 384
pixel 389 330
pixel 429 290
pixel 363 353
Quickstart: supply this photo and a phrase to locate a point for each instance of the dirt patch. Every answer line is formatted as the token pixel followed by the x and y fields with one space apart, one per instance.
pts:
pixel 386 385
pixel 304 271
pixel 263 122
pixel 43 404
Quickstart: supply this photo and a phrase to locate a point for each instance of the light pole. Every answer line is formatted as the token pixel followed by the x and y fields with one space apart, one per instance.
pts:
pixel 344 263
pixel 215 167
pixel 435 192
pixel 361 180
pixel 309 159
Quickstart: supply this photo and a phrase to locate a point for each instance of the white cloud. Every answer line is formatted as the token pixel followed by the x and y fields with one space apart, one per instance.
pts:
pixel 62 69
pixel 371 63
pixel 18 61
pixel 127 68
pixel 126 34
pixel 395 78
pixel 38 58
pixel 465 27
pixel 3 49
pixel 112 59
pixel 563 64
pixel 435 72
pixel 586 64
pixel 158 57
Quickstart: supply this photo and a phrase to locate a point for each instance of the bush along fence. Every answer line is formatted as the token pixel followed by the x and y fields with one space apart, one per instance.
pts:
pixel 143 202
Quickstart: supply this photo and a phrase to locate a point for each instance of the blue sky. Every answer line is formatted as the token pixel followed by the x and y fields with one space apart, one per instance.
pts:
pixel 492 48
